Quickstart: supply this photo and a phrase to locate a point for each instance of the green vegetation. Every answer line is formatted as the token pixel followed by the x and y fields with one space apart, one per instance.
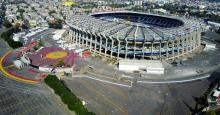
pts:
pixel 88 5
pixel 32 8
pixel 7 24
pixel 210 113
pixel 21 11
pixel 56 25
pixel 118 5
pixel 73 103
pixel 7 37
pixel 88 11
pixel 60 63
pixel 218 31
pixel 40 44
pixel 52 12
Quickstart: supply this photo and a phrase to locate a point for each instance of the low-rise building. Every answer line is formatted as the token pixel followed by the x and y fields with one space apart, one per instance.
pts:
pixel 149 66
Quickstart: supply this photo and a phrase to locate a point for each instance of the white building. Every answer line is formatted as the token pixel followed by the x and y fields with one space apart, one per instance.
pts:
pixel 149 66
pixel 58 34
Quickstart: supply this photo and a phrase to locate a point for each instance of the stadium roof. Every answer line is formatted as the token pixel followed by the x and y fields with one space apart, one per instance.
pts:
pixel 131 30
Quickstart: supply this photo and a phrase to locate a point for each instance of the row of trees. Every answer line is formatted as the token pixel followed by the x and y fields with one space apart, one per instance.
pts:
pixel 57 24
pixel 7 36
pixel 73 102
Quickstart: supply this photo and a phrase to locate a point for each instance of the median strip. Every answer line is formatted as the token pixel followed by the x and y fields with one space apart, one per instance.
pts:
pixel 73 102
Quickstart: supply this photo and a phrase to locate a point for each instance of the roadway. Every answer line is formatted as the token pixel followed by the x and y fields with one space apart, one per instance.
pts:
pixel 148 99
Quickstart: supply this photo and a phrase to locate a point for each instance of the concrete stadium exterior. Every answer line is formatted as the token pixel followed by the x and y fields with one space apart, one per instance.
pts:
pixel 125 35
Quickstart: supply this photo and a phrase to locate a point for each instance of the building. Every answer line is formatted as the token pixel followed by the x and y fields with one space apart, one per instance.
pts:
pixel 149 66
pixel 132 35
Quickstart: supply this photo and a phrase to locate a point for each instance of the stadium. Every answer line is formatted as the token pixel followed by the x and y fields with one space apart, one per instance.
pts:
pixel 134 35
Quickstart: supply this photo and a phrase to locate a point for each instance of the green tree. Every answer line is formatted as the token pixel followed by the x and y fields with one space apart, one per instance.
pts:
pixel 70 99
pixel 7 24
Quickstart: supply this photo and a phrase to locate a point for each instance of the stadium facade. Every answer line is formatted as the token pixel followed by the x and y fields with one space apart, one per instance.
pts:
pixel 125 34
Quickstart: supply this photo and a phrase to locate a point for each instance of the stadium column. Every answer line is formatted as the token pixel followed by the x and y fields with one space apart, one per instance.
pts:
pixel 75 34
pixel 112 46
pixel 77 37
pixel 83 38
pixel 119 45
pixel 126 48
pixel 74 39
pixel 178 46
pixel 160 50
pixel 194 40
pixel 187 44
pixel 100 45
pixel 90 41
pixel 167 48
pixel 143 48
pixel 67 37
pixel 191 43
pixel 71 39
pixel 152 48
pixel 135 37
pixel 71 35
pixel 80 37
pixel 173 55
pixel 199 38
pixel 106 45
pixel 183 45
pixel 87 38
pixel 95 43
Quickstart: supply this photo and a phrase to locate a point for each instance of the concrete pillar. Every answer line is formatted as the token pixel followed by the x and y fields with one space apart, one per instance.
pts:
pixel 112 47
pixel 190 42
pixel 106 46
pixel 187 43
pixel 199 38
pixel 87 39
pixel 173 55
pixel 79 38
pixel 194 40
pixel 160 50
pixel 126 48
pixel 90 43
pixel 134 48
pixel 143 49
pixel 95 42
pixel 82 38
pixel 100 46
pixel 119 46
pixel 183 45
pixel 167 48
pixel 152 48
pixel 75 37
pixel 178 46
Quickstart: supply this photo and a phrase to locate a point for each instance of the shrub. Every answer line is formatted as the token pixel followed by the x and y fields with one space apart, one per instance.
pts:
pixel 7 37
pixel 73 103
